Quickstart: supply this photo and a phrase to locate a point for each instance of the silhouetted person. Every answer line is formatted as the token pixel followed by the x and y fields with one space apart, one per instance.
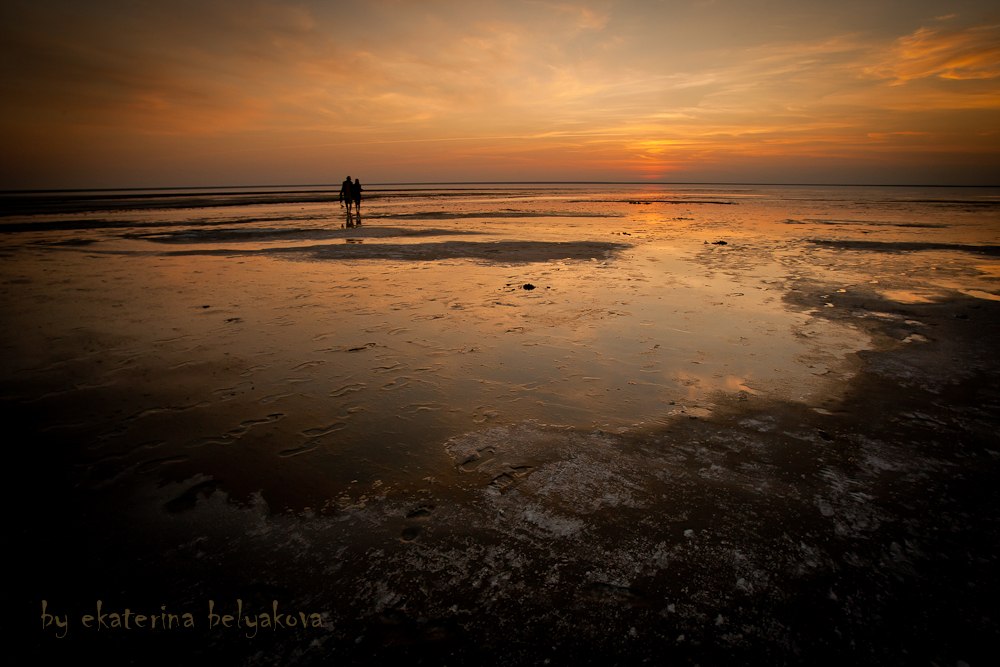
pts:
pixel 356 194
pixel 346 193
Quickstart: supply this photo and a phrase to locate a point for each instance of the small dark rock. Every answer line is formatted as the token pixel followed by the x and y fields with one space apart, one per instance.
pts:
pixel 527 286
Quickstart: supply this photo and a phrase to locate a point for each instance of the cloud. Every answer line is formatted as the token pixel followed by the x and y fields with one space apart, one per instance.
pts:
pixel 158 68
pixel 964 54
pixel 593 85
pixel 584 18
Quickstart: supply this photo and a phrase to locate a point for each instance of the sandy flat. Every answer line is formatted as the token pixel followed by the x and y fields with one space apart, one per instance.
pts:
pixel 516 429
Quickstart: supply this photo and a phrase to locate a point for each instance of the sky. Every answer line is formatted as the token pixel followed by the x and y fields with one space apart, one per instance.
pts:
pixel 110 93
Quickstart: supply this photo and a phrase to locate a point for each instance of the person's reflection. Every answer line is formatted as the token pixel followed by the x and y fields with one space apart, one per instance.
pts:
pixel 350 219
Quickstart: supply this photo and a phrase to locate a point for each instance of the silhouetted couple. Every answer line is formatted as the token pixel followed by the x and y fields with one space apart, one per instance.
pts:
pixel 351 192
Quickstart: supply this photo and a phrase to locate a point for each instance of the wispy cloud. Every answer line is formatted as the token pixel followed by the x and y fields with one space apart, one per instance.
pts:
pixel 585 86
pixel 969 53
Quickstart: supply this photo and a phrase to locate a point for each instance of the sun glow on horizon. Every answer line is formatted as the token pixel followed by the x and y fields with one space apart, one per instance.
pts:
pixel 221 91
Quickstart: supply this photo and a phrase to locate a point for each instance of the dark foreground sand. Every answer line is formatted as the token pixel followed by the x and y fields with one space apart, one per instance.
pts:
pixel 665 451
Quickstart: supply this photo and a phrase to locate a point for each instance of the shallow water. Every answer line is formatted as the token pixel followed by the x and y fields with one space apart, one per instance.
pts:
pixel 270 326
pixel 507 351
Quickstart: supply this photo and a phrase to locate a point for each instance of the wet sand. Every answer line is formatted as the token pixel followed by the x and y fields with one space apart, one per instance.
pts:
pixel 539 425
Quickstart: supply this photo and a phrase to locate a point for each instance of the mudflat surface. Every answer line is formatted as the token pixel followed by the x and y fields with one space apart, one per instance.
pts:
pixel 712 426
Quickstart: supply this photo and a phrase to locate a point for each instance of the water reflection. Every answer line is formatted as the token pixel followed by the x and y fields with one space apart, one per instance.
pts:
pixel 352 218
pixel 362 367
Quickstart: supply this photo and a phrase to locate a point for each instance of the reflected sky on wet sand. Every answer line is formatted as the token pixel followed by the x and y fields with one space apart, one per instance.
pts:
pixel 175 338
pixel 695 424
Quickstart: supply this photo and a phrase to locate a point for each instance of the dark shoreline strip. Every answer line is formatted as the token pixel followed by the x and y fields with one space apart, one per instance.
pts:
pixel 497 251
pixel 259 234
pixel 906 246
pixel 445 215
pixel 78 225
pixel 653 201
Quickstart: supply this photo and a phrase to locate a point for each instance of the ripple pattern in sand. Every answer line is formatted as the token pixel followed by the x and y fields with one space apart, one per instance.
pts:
pixel 233 435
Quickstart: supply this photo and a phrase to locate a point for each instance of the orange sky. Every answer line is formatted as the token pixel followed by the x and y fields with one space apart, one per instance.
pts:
pixel 217 92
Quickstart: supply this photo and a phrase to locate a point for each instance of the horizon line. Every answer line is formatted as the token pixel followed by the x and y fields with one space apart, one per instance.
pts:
pixel 547 182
